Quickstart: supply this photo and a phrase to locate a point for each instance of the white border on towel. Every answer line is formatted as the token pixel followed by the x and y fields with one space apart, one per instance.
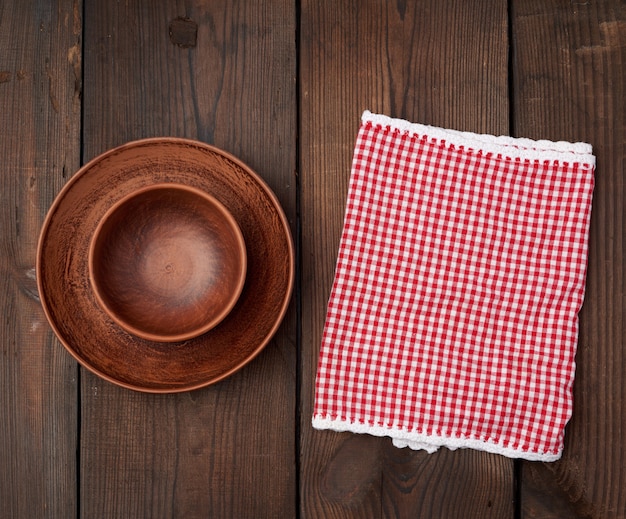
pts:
pixel 511 147
pixel 430 443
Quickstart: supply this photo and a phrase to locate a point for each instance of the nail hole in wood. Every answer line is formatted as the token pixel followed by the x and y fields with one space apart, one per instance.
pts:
pixel 183 32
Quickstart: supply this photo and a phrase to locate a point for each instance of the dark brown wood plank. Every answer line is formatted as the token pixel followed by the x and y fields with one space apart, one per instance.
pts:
pixel 227 450
pixel 570 83
pixel 40 62
pixel 441 63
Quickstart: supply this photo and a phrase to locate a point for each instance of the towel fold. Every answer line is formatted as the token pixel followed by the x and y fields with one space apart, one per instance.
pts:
pixel 453 316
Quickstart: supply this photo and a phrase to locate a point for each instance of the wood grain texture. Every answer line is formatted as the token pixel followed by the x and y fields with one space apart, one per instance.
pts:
pixel 228 450
pixel 569 84
pixel 440 63
pixel 225 73
pixel 39 145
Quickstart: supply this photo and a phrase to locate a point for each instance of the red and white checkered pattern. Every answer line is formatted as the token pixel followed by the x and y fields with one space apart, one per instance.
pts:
pixel 453 317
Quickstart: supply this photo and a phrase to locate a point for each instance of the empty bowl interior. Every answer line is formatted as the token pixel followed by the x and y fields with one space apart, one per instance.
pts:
pixel 168 262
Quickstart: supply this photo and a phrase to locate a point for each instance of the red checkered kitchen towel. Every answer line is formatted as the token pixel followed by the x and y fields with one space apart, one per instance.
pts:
pixel 453 316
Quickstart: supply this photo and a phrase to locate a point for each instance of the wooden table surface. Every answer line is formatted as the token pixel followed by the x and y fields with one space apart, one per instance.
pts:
pixel 281 84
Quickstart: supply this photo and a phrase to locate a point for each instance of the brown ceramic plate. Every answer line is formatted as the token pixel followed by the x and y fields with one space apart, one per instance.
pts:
pixel 100 344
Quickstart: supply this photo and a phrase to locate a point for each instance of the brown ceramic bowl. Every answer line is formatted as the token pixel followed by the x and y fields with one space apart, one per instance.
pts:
pixel 167 262
pixel 89 333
